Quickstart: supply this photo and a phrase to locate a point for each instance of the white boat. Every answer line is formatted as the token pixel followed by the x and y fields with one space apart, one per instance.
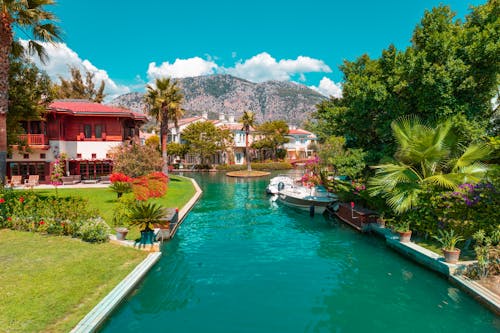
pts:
pixel 314 200
pixel 279 183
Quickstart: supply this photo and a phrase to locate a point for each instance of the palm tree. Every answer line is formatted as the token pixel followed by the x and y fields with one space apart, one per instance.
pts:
pixel 425 156
pixel 27 16
pixel 248 121
pixel 164 103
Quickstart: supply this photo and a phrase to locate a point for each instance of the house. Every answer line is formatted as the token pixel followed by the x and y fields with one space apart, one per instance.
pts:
pixel 235 154
pixel 300 145
pixel 79 129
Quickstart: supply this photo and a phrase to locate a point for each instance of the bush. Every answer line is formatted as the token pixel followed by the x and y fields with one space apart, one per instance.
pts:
pixel 94 230
pixel 256 166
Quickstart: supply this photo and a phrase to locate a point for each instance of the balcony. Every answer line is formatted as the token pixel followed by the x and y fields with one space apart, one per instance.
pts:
pixel 34 139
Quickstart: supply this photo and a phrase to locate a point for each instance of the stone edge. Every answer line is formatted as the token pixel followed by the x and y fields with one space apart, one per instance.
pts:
pixel 436 262
pixel 96 317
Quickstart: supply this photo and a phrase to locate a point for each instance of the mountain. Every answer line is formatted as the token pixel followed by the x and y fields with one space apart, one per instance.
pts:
pixel 271 100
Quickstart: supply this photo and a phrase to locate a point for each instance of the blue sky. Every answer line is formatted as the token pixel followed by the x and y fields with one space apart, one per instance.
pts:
pixel 129 43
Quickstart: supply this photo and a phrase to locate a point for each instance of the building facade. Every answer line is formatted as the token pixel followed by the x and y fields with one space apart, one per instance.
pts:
pixel 82 131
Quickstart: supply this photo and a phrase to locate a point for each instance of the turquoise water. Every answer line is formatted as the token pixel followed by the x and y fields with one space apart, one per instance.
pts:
pixel 241 264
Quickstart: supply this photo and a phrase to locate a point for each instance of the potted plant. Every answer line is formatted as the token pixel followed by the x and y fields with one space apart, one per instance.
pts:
pixel 403 230
pixel 145 215
pixel 448 240
pixel 121 233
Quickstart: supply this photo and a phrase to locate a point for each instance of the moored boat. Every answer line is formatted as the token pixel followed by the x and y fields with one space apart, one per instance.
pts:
pixel 279 183
pixel 314 199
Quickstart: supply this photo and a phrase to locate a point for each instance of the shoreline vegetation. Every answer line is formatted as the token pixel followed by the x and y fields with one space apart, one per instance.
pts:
pixel 51 282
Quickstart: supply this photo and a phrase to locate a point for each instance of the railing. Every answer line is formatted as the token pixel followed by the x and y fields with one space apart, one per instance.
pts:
pixel 34 139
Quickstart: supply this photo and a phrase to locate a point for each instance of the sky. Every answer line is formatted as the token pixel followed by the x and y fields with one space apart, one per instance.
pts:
pixel 130 43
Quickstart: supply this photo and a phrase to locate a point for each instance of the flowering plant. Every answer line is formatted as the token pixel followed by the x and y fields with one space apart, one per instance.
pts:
pixel 120 183
pixel 153 185
pixel 57 173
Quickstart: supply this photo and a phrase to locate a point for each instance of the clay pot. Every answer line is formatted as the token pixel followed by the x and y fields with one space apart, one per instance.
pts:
pixel 451 256
pixel 404 236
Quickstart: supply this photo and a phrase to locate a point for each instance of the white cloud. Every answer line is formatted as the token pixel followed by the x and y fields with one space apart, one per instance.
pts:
pixel 61 57
pixel 263 67
pixel 182 68
pixel 328 88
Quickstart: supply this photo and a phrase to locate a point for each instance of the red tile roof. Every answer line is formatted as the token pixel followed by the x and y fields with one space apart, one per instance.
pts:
pixel 298 131
pixel 91 108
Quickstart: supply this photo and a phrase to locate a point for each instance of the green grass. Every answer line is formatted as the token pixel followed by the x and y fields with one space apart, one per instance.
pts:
pixel 180 190
pixel 434 246
pixel 49 283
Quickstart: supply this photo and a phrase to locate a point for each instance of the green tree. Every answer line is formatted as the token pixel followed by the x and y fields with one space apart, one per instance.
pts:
pixel 450 72
pixel 426 156
pixel 29 94
pixel 77 88
pixel 164 104
pixel 204 139
pixel 273 136
pixel 28 16
pixel 346 162
pixel 248 121
pixel 136 160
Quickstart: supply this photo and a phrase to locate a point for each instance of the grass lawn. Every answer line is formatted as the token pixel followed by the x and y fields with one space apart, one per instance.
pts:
pixel 49 283
pixel 435 247
pixel 180 190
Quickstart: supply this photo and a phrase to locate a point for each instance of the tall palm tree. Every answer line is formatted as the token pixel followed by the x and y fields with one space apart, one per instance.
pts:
pixel 425 155
pixel 164 103
pixel 28 16
pixel 248 119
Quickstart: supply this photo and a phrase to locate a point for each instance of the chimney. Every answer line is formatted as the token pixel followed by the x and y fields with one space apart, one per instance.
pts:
pixel 230 117
pixel 204 115
pixel 221 115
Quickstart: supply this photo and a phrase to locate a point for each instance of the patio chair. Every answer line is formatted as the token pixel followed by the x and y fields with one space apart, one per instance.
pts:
pixel 15 181
pixel 32 181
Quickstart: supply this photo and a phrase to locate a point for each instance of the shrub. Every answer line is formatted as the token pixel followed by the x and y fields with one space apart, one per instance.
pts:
pixel 94 230
pixel 153 185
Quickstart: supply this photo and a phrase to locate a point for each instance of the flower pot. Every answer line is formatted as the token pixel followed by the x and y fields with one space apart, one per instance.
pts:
pixel 147 237
pixel 451 256
pixel 380 223
pixel 404 236
pixel 121 233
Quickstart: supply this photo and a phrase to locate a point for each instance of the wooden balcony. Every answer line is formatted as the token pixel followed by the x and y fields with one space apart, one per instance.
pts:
pixel 34 139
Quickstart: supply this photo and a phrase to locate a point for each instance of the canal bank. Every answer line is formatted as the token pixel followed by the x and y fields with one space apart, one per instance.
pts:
pixel 95 318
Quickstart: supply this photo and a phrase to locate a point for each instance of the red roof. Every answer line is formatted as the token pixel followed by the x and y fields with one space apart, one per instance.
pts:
pixel 91 108
pixel 298 131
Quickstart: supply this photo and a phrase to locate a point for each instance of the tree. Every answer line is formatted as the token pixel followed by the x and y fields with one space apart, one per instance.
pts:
pixel 29 93
pixel 77 88
pixel 203 139
pixel 248 119
pixel 135 160
pixel 273 135
pixel 425 156
pixel 345 162
pixel 27 16
pixel 450 72
pixel 164 104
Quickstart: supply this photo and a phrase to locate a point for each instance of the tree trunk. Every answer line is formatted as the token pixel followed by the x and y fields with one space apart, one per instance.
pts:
pixel 5 47
pixel 249 165
pixel 164 156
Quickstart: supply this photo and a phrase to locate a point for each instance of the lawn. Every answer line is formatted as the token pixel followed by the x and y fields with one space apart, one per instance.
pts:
pixel 180 190
pixel 50 283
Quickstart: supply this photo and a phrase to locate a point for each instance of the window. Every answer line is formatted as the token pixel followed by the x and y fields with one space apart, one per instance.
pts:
pixel 94 156
pixel 42 156
pixel 87 131
pixel 78 155
pixel 26 156
pixel 98 131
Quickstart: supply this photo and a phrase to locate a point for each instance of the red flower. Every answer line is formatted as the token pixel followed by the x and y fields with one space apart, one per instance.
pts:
pixel 9 218
pixel 42 222
pixel 21 199
pixel 2 200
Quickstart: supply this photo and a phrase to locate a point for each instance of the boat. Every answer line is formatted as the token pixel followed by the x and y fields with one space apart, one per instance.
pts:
pixel 313 199
pixel 278 183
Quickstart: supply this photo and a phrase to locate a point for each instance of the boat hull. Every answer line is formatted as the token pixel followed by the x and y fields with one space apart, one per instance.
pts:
pixel 319 203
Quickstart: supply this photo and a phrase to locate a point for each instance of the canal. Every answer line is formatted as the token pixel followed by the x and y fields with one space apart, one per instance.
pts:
pixel 240 263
